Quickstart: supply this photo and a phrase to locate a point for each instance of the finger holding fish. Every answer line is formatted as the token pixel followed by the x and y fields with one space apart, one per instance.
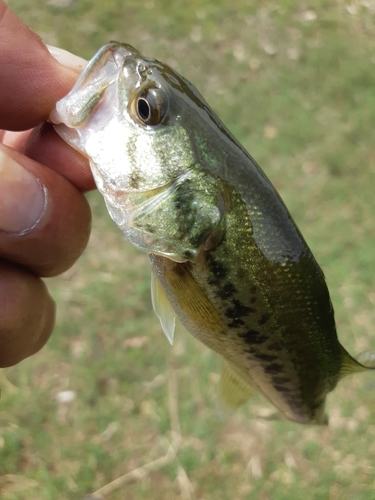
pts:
pixel 43 145
pixel 28 91
pixel 25 307
pixel 50 228
pixel 44 218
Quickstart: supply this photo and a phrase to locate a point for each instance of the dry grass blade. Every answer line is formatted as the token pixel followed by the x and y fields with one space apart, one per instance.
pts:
pixel 141 472
pixel 134 475
pixel 187 490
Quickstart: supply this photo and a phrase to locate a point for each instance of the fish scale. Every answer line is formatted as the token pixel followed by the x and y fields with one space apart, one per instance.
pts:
pixel 227 258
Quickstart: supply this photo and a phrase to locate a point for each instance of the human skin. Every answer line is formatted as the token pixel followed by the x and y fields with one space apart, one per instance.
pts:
pixel 44 217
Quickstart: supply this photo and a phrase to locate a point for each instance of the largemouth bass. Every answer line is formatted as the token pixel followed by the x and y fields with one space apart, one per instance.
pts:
pixel 227 258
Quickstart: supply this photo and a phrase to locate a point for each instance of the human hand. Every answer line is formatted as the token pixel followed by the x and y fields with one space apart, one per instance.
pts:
pixel 44 217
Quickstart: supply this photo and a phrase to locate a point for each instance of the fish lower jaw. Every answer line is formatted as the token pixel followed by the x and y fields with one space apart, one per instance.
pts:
pixel 55 117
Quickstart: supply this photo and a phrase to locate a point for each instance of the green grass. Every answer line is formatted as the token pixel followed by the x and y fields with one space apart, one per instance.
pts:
pixel 295 83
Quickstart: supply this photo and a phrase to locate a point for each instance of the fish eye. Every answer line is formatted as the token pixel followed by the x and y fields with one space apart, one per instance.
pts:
pixel 144 110
pixel 151 106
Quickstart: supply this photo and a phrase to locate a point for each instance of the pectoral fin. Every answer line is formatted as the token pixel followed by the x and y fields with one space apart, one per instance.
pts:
pixel 152 223
pixel 361 363
pixel 234 390
pixel 162 308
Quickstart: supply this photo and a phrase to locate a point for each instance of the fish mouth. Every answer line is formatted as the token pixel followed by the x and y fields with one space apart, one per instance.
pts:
pixel 100 72
pixel 113 61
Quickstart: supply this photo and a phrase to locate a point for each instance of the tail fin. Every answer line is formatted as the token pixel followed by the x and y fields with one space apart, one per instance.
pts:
pixel 361 363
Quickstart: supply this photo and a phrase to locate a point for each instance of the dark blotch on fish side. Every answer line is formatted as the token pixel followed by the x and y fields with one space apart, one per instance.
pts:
pixel 231 312
pixel 238 310
pixel 213 281
pixel 253 337
pixel 280 380
pixel 281 388
pixel 264 318
pixel 217 268
pixel 274 368
pixel 236 322
pixel 266 357
pixel 242 309
pixel 275 346
pixel 227 291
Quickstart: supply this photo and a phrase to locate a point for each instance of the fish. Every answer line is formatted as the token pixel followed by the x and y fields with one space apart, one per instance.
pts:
pixel 227 258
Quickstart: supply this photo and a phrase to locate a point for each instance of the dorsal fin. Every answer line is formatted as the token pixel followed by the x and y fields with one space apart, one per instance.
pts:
pixel 361 363
pixel 162 308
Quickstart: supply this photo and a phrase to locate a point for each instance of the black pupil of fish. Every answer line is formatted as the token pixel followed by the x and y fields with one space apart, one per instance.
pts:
pixel 144 109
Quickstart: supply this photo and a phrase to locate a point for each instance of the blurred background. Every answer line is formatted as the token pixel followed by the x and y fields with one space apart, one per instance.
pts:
pixel 294 81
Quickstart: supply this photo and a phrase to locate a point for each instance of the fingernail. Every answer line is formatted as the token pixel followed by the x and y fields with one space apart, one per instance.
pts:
pixel 67 58
pixel 22 197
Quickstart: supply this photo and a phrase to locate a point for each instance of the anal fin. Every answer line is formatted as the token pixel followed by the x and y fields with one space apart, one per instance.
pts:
pixel 234 390
pixel 162 308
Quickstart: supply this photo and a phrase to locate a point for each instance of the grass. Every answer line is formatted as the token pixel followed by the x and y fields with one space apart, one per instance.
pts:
pixel 294 82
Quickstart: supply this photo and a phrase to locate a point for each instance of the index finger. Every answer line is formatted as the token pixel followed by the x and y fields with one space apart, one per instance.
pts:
pixel 31 80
